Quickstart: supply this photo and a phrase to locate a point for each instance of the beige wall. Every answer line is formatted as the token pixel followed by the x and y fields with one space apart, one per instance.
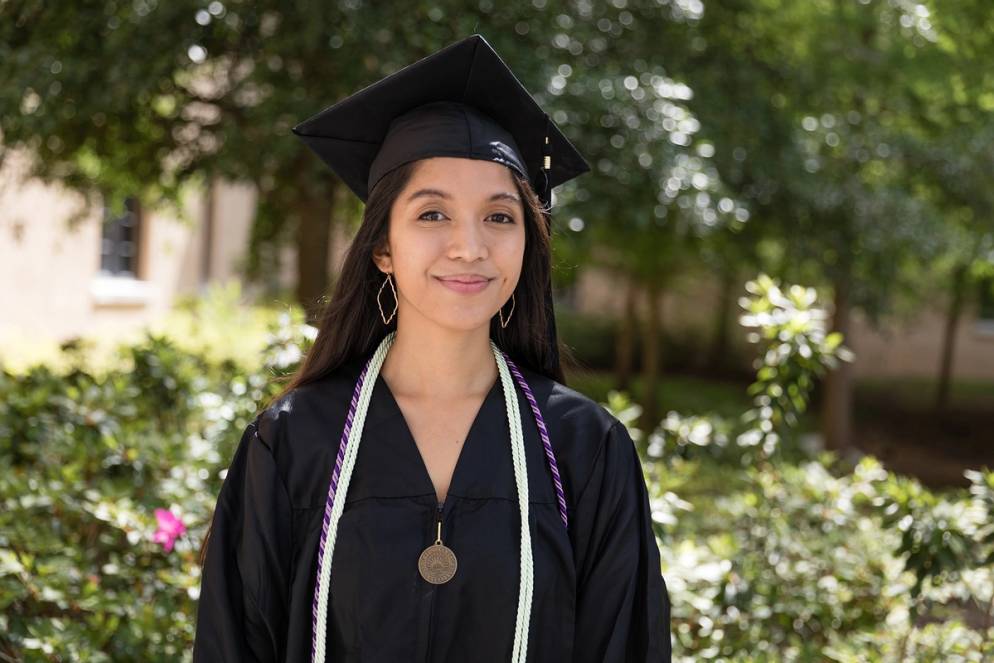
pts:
pixel 50 286
pixel 899 349
pixel 913 348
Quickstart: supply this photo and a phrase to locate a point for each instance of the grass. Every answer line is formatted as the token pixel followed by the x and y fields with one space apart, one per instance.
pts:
pixel 916 393
pixel 685 394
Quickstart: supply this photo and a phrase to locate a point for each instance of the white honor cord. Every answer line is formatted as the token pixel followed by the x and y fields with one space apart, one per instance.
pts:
pixel 338 506
pixel 519 653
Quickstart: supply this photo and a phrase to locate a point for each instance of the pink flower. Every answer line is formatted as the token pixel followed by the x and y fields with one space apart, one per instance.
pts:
pixel 170 527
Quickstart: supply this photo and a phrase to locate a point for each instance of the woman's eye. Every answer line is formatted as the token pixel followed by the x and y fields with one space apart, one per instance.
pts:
pixel 422 217
pixel 507 218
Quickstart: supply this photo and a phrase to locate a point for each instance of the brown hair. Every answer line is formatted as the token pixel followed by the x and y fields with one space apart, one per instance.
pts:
pixel 351 325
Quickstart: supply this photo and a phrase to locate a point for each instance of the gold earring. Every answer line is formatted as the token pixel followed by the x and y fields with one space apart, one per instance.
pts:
pixel 500 312
pixel 394 312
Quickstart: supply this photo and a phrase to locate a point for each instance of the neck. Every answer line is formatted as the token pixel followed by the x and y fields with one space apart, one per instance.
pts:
pixel 439 363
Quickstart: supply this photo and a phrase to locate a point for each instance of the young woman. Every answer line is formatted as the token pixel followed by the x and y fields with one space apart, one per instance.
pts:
pixel 426 488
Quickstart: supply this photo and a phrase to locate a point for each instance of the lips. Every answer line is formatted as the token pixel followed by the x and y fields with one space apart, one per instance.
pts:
pixel 467 280
pixel 465 284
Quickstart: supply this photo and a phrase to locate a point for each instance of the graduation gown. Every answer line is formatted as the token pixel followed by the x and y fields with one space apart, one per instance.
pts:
pixel 598 591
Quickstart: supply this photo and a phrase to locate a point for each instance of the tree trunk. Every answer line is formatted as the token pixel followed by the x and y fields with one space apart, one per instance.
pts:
pixel 837 399
pixel 953 316
pixel 628 325
pixel 718 359
pixel 207 257
pixel 651 356
pixel 313 239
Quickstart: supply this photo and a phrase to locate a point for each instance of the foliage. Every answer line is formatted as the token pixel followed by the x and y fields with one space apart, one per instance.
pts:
pixel 796 349
pixel 593 339
pixel 772 554
pixel 90 460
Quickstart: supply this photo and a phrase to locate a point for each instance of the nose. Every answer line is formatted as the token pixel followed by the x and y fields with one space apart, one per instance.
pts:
pixel 467 240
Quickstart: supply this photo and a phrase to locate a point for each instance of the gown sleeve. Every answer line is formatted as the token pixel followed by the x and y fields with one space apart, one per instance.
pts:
pixel 243 609
pixel 622 608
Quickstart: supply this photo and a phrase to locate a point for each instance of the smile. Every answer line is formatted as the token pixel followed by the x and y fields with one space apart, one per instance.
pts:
pixel 467 287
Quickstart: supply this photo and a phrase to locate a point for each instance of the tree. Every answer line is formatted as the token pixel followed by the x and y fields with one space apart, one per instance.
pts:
pixel 148 98
pixel 653 198
pixel 811 109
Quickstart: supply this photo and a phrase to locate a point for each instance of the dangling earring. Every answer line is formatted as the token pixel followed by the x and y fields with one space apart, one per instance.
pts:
pixel 500 312
pixel 394 312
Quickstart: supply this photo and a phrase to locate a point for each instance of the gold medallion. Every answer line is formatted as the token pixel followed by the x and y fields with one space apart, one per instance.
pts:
pixel 437 563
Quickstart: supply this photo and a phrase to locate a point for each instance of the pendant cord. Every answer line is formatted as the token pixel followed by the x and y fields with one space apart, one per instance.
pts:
pixel 348 450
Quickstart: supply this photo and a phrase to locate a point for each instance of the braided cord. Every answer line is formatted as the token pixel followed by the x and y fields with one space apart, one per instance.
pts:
pixel 348 449
pixel 520 650
pixel 543 432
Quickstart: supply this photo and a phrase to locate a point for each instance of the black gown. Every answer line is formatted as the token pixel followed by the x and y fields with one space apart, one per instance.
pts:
pixel 598 590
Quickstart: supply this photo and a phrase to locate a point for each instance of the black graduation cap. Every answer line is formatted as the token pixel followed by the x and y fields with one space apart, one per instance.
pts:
pixel 460 101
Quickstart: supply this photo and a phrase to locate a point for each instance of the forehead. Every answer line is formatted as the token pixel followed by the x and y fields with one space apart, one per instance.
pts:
pixel 475 173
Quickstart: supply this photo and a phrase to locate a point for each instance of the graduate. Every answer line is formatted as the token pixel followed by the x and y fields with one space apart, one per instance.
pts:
pixel 426 487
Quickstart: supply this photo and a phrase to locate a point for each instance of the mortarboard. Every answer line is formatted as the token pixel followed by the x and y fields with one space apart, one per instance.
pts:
pixel 460 101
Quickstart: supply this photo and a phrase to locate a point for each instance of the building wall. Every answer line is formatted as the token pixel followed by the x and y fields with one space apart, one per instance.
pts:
pixel 50 282
pixel 905 348
pixel 913 348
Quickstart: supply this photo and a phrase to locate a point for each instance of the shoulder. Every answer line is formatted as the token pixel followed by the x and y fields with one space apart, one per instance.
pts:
pixel 580 429
pixel 573 411
pixel 301 430
pixel 309 410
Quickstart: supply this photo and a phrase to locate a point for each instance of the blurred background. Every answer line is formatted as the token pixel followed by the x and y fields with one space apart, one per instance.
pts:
pixel 779 273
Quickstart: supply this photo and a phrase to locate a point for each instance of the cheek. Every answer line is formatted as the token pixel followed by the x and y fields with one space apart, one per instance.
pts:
pixel 511 255
pixel 414 262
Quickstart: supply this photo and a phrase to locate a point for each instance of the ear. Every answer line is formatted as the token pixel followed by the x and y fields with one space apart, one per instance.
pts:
pixel 382 259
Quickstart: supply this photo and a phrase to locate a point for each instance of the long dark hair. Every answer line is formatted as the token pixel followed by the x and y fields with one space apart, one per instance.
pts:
pixel 351 325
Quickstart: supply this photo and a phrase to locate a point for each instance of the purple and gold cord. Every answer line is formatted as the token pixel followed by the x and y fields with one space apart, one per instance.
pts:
pixel 544 434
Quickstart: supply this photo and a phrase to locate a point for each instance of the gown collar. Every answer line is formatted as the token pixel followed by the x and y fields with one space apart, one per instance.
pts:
pixel 389 463
pixel 486 433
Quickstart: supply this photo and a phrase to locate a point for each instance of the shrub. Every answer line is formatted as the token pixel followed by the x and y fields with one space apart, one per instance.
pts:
pixel 89 461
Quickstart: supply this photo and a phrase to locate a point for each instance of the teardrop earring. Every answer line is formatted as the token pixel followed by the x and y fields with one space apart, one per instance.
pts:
pixel 383 317
pixel 500 312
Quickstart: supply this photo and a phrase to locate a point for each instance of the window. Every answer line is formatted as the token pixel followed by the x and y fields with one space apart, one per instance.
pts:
pixel 117 283
pixel 119 241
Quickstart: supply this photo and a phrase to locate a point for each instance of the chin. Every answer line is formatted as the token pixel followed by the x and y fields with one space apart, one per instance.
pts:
pixel 455 318
pixel 463 324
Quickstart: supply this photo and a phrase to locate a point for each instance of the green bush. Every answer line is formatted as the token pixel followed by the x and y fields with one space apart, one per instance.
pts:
pixel 89 459
pixel 594 340
pixel 591 338
pixel 772 555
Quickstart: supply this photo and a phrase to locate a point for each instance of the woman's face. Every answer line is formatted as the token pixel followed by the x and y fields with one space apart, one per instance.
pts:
pixel 456 220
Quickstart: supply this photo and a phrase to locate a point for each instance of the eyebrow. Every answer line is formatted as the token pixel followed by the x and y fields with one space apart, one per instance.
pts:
pixel 424 193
